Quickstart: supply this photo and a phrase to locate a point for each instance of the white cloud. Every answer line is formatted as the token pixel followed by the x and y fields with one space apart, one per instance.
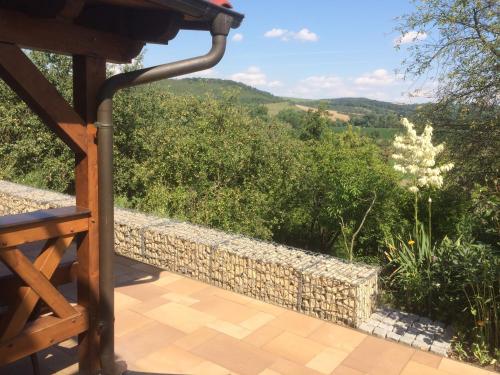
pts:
pixel 410 37
pixel 275 33
pixel 306 35
pixel 253 76
pixel 303 35
pixel 237 37
pixel 379 84
pixel 379 77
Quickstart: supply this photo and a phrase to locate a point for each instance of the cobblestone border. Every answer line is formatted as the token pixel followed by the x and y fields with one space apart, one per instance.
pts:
pixel 314 284
pixel 409 329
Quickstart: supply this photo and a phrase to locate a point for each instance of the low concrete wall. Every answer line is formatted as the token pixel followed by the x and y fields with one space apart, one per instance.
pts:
pixel 313 284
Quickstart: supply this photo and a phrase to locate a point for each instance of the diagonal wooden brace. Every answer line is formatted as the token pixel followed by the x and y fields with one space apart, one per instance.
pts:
pixel 17 70
pixel 36 276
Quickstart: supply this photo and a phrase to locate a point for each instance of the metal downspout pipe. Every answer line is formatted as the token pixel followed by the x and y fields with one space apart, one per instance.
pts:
pixel 219 30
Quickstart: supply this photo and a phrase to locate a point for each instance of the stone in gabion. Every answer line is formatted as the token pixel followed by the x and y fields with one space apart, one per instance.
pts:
pixel 262 270
pixel 338 291
pixel 315 284
pixel 15 199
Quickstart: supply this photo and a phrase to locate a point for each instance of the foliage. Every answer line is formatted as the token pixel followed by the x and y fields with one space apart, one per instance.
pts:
pixel 454 281
pixel 472 136
pixel 29 153
pixel 461 53
pixel 218 88
pixel 341 174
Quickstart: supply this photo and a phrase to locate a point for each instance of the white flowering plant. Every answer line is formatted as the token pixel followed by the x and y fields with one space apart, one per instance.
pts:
pixel 415 157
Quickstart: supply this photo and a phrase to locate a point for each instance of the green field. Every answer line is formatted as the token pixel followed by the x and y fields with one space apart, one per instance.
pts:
pixel 381 133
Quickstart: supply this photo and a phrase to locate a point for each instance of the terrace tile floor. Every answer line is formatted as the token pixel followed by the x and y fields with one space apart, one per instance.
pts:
pixel 169 324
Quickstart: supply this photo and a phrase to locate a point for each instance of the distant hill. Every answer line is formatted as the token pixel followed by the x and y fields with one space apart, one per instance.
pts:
pixel 360 106
pixel 217 87
pixel 359 111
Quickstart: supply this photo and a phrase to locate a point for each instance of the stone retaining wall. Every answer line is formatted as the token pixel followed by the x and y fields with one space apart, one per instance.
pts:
pixel 313 284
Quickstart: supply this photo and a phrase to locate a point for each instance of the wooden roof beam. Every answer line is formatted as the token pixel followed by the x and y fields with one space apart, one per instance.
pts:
pixel 64 37
pixel 71 9
pixel 17 70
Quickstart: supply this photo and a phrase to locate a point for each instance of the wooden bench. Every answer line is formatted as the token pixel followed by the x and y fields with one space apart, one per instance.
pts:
pixel 21 334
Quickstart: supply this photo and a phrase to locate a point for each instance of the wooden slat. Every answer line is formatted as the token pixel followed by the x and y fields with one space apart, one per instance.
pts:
pixel 88 76
pixel 17 70
pixel 37 233
pixel 46 263
pixel 64 274
pixel 21 265
pixel 64 37
pixel 43 333
pixel 29 219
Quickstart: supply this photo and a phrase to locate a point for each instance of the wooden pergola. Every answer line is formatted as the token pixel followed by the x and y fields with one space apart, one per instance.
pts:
pixel 93 32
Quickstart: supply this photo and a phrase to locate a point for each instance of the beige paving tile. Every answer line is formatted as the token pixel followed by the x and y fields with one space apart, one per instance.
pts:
pixel 299 324
pixel 336 336
pixel 379 357
pixel 180 298
pixel 165 278
pixel 196 338
pixel 267 307
pixel 263 335
pixel 210 368
pixel 170 360
pixel 426 358
pixel 460 368
pixel 142 291
pixel 256 321
pixel 151 270
pixel 144 307
pixel 186 286
pixel 139 343
pixel 229 329
pixel 123 301
pixel 415 368
pixel 231 296
pixel 234 355
pixel 344 370
pixel 183 318
pixel 293 347
pixel 285 367
pixel 70 343
pixel 224 309
pixel 127 321
pixel 132 277
pixel 327 360
pixel 269 372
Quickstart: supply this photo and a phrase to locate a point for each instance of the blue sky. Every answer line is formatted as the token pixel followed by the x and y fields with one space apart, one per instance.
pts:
pixel 335 48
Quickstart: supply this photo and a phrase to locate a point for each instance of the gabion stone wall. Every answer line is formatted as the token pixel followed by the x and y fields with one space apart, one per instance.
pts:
pixel 310 283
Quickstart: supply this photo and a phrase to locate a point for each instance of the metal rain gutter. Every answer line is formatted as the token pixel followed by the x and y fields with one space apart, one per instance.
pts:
pixel 220 27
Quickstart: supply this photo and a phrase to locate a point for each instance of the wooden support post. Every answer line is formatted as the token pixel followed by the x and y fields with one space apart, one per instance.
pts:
pixel 88 75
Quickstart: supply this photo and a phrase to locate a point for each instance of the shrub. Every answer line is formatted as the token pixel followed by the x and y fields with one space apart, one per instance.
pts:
pixel 454 281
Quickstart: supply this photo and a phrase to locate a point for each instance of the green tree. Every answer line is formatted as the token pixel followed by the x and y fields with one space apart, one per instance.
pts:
pixel 462 50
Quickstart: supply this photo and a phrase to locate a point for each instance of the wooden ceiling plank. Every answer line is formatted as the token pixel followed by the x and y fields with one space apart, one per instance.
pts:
pixel 63 37
pixel 71 9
